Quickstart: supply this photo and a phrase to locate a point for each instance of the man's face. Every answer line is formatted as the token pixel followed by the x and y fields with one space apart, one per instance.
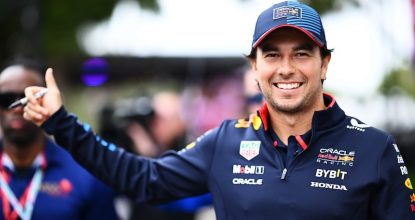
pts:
pixel 13 81
pixel 289 70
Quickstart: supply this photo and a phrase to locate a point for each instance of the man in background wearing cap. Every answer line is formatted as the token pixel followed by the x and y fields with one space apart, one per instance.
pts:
pixel 300 157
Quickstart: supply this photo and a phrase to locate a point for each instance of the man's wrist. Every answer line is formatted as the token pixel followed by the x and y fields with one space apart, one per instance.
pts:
pixel 50 125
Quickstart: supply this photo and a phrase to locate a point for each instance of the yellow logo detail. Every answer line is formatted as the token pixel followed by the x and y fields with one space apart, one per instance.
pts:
pixel 408 183
pixel 256 121
pixel 242 123
pixel 346 158
pixel 191 145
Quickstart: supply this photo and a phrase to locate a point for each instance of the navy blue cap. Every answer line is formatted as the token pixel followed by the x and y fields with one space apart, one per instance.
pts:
pixel 290 14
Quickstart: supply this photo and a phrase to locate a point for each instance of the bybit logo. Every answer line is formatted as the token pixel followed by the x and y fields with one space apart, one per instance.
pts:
pixel 331 174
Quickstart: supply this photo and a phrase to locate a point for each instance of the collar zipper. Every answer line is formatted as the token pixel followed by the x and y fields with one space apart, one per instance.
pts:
pixel 284 172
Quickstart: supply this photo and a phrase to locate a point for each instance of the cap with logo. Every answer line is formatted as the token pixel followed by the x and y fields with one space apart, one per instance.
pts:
pixel 290 14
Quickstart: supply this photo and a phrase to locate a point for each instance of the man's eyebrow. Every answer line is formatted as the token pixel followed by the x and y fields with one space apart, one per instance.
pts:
pixel 305 46
pixel 269 47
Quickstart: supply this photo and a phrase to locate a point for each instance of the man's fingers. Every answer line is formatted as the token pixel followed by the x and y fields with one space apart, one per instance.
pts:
pixel 39 109
pixel 36 109
pixel 50 80
pixel 35 113
pixel 31 91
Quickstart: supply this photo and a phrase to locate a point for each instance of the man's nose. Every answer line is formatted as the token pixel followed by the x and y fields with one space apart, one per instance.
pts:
pixel 286 66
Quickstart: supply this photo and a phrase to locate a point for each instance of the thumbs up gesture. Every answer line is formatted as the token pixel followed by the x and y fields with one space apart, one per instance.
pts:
pixel 38 110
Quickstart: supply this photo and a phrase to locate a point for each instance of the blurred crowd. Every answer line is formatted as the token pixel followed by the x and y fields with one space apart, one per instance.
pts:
pixel 149 125
pixel 153 122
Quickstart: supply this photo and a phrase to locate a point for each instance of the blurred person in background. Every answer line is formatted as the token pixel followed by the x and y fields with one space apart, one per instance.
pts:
pixel 300 157
pixel 220 91
pixel 149 126
pixel 38 179
pixel 167 129
pixel 253 96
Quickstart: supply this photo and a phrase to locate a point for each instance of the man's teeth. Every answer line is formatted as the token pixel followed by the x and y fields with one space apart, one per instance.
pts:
pixel 288 85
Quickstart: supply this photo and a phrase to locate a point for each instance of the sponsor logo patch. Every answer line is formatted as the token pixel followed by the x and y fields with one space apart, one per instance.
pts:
pixel 254 120
pixel 400 159
pixel 396 148
pixel 404 170
pixel 239 169
pixel 61 188
pixel 328 186
pixel 286 11
pixel 354 125
pixel 335 156
pixel 408 183
pixel 242 181
pixel 242 123
pixel 249 149
pixel 331 174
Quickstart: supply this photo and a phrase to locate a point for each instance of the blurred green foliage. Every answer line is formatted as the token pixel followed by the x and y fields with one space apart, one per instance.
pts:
pixel 42 28
pixel 399 80
pixel 324 6
pixel 60 19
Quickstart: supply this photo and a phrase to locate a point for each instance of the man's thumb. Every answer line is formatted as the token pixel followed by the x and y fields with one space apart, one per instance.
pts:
pixel 50 79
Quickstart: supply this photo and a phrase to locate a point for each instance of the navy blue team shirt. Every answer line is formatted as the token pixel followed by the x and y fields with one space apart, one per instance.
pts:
pixel 340 169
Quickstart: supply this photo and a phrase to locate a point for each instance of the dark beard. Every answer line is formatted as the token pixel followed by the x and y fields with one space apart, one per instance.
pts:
pixel 22 139
pixel 289 111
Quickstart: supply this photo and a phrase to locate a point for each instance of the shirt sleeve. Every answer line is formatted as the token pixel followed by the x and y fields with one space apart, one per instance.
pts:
pixel 174 175
pixel 393 197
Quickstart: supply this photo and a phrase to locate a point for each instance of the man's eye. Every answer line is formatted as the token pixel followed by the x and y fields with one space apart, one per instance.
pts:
pixel 271 55
pixel 301 54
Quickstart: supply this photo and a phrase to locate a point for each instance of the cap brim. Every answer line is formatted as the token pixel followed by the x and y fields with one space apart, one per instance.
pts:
pixel 308 33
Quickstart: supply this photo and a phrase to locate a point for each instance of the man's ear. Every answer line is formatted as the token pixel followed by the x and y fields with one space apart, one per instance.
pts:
pixel 324 66
pixel 252 61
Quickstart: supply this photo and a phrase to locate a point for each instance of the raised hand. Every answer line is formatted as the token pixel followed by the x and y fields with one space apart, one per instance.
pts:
pixel 39 110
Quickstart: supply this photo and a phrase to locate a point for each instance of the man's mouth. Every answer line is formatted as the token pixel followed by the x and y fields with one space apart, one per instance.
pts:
pixel 287 85
pixel 16 123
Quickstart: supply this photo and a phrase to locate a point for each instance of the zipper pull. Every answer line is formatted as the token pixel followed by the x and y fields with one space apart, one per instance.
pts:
pixel 284 172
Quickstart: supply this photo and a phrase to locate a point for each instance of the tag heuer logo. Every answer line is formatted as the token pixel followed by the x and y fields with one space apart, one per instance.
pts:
pixel 249 149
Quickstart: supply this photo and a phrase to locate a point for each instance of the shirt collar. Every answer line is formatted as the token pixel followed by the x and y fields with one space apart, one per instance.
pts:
pixel 7 161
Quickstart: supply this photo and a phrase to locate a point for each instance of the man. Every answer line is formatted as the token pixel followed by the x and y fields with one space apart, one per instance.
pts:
pixel 300 157
pixel 38 179
pixel 253 95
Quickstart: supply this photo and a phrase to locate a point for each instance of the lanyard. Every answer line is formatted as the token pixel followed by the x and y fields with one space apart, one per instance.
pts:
pixel 23 207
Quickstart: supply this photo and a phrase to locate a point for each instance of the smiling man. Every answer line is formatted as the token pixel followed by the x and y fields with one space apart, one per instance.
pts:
pixel 290 70
pixel 299 157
